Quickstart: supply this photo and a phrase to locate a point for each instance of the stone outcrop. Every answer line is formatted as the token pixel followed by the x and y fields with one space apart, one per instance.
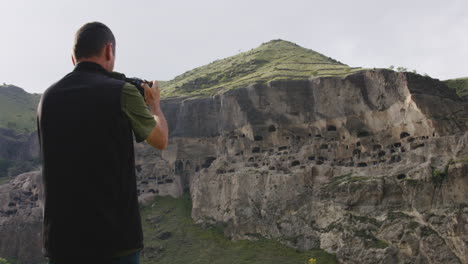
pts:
pixel 21 218
pixel 372 167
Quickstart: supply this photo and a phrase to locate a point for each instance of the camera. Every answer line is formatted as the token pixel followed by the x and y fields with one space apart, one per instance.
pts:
pixel 138 82
pixel 135 81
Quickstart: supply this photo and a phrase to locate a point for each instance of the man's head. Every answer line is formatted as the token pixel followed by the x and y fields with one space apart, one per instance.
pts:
pixel 94 42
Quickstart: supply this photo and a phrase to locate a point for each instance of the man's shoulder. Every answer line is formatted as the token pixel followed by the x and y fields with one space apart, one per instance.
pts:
pixel 56 84
pixel 131 89
pixel 131 95
pixel 74 78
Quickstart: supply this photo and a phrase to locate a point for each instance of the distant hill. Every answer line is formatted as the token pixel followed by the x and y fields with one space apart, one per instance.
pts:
pixel 460 85
pixel 18 109
pixel 18 142
pixel 274 60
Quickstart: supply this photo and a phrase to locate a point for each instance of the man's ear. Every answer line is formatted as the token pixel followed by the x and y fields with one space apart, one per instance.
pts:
pixel 73 60
pixel 109 51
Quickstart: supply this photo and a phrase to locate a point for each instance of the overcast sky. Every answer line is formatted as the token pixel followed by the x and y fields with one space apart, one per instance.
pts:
pixel 162 39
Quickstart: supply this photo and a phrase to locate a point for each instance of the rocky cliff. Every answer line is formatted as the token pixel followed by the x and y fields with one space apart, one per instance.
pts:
pixel 18 152
pixel 371 166
pixel 21 218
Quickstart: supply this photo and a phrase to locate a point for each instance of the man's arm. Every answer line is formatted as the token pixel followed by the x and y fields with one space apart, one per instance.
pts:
pixel 158 137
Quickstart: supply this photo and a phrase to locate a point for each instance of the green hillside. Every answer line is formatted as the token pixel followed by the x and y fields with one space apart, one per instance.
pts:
pixel 274 60
pixel 172 237
pixel 18 109
pixel 460 85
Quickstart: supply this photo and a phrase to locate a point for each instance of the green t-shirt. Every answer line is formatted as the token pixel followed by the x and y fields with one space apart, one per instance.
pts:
pixel 134 106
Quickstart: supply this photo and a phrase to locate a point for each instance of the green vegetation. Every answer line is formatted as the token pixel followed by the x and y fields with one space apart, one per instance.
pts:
pixel 404 69
pixel 13 168
pixel 366 219
pixel 346 178
pixel 413 225
pixel 18 109
pixel 411 182
pixel 368 234
pixel 427 231
pixel 4 165
pixel 380 244
pixel 439 176
pixel 171 236
pixel 274 60
pixel 9 261
pixel 393 215
pixel 333 226
pixel 460 85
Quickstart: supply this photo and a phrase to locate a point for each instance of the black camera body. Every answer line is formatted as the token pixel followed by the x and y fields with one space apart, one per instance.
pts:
pixel 135 81
pixel 138 82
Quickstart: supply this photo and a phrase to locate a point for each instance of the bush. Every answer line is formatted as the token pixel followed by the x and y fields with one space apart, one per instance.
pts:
pixel 4 261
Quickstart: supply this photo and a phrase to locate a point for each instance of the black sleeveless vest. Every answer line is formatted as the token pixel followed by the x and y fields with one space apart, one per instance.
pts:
pixel 88 168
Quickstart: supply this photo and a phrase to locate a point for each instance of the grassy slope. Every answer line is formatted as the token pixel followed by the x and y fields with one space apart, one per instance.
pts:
pixel 190 243
pixel 460 85
pixel 277 59
pixel 18 109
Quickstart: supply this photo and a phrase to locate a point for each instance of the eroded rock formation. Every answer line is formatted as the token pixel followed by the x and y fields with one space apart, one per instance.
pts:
pixel 371 167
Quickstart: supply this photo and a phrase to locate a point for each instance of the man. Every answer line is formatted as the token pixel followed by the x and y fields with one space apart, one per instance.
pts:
pixel 86 123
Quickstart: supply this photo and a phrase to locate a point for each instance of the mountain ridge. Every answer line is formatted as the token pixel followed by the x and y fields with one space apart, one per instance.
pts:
pixel 273 60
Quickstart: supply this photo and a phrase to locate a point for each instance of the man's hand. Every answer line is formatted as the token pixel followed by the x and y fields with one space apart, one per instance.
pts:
pixel 152 94
pixel 158 137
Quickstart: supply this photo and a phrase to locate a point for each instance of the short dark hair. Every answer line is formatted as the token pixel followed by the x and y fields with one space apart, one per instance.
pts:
pixel 91 38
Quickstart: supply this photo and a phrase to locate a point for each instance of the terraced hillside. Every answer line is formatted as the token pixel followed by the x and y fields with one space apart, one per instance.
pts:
pixel 460 85
pixel 274 60
pixel 18 109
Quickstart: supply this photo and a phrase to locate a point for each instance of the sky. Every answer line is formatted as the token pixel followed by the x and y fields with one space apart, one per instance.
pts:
pixel 158 40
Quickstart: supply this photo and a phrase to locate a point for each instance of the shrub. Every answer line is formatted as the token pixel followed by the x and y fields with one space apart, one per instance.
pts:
pixel 4 261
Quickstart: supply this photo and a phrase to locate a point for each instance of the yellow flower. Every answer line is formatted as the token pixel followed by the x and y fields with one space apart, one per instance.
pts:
pixel 312 261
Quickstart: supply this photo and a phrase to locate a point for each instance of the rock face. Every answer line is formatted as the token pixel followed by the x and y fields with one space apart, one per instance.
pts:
pixel 18 152
pixel 21 218
pixel 372 167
